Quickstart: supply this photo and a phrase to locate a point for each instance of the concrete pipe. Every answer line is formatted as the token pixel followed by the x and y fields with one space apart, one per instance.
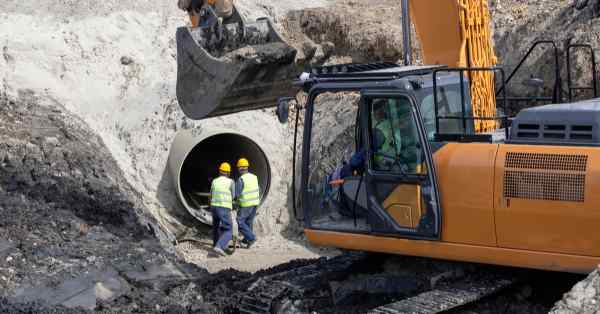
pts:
pixel 194 160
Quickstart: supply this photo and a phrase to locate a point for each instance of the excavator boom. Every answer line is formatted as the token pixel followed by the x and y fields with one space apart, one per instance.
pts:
pixel 457 33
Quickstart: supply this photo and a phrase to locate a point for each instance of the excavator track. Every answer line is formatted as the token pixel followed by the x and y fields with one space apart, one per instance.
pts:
pixel 265 292
pixel 270 294
pixel 447 298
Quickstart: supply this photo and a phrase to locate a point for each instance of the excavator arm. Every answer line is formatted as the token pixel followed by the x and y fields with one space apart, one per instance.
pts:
pixel 238 66
pixel 457 33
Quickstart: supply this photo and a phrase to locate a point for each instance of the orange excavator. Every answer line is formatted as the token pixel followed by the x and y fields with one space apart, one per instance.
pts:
pixel 442 173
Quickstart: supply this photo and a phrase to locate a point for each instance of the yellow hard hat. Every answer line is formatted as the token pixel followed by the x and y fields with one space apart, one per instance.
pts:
pixel 225 167
pixel 243 162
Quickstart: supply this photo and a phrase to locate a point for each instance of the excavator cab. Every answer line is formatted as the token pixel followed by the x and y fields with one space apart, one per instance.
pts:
pixel 392 190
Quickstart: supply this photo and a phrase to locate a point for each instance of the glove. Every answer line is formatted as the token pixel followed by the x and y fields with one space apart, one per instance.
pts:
pixel 184 4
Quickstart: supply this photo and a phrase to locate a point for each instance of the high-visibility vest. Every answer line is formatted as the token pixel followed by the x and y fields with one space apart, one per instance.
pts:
pixel 388 145
pixel 250 195
pixel 387 148
pixel 220 192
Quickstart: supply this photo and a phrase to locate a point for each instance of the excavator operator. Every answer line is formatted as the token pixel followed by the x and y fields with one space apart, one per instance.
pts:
pixel 384 136
pixel 222 8
pixel 395 148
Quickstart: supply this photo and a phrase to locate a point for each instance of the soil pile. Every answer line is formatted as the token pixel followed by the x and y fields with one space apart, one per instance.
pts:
pixel 72 230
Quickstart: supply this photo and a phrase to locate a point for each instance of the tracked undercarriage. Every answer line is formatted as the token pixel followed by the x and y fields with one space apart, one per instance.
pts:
pixel 363 283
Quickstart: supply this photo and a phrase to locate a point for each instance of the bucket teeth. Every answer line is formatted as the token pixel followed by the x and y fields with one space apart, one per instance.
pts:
pixel 248 67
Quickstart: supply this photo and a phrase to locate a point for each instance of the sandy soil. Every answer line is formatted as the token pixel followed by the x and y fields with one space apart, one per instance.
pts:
pixel 267 252
pixel 113 65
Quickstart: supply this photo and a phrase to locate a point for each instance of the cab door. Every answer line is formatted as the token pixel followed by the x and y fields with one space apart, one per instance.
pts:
pixel 402 193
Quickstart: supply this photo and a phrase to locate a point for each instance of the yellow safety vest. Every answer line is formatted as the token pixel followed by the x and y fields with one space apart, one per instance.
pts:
pixel 220 192
pixel 250 195
pixel 387 147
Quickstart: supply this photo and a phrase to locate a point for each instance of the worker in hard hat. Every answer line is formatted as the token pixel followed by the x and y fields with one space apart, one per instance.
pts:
pixel 222 8
pixel 248 198
pixel 222 192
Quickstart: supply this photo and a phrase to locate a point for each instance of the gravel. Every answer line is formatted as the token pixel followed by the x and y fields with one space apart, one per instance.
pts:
pixel 583 298
pixel 72 230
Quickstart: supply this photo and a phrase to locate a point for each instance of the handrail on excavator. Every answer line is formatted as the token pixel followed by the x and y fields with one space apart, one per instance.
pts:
pixel 570 85
pixel 464 118
pixel 556 94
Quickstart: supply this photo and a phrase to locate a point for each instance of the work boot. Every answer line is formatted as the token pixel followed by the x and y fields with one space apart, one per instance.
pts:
pixel 218 251
pixel 248 244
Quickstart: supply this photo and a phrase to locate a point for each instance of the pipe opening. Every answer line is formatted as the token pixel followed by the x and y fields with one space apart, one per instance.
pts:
pixel 201 165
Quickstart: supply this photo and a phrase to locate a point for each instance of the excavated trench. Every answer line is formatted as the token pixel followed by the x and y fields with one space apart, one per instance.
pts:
pixel 195 158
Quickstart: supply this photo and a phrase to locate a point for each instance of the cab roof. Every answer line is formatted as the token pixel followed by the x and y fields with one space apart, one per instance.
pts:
pixel 374 75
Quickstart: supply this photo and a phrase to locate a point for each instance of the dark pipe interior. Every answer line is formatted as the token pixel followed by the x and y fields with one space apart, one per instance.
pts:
pixel 202 163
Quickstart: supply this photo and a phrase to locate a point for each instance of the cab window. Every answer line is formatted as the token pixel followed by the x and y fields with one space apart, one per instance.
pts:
pixel 449 105
pixel 394 136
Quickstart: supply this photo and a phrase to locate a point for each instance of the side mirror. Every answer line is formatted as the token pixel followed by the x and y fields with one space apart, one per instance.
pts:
pixel 283 109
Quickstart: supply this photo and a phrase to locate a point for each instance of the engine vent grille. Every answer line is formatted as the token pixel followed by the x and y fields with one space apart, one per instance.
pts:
pixel 553 177
pixel 546 161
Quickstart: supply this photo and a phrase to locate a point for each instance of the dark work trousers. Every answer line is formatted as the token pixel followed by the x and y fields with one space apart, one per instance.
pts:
pixel 246 222
pixel 222 227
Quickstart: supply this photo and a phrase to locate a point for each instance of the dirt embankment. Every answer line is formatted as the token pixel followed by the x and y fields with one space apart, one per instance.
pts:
pixel 519 24
pixel 72 230
pixel 365 31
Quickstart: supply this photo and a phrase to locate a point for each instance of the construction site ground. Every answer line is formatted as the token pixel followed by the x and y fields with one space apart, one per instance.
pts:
pixel 88 217
pixel 265 253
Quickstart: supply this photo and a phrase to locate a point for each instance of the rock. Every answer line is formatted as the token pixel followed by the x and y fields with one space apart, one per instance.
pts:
pixel 83 291
pixel 581 4
pixel 161 276
pixel 125 60
pixel 584 297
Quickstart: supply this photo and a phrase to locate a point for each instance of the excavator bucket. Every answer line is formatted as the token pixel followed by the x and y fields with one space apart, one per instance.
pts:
pixel 233 66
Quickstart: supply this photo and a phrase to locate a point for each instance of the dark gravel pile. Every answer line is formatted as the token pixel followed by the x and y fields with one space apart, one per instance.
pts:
pixel 72 231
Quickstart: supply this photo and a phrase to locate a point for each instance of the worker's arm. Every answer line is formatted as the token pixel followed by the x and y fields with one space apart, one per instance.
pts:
pixel 239 187
pixel 234 194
